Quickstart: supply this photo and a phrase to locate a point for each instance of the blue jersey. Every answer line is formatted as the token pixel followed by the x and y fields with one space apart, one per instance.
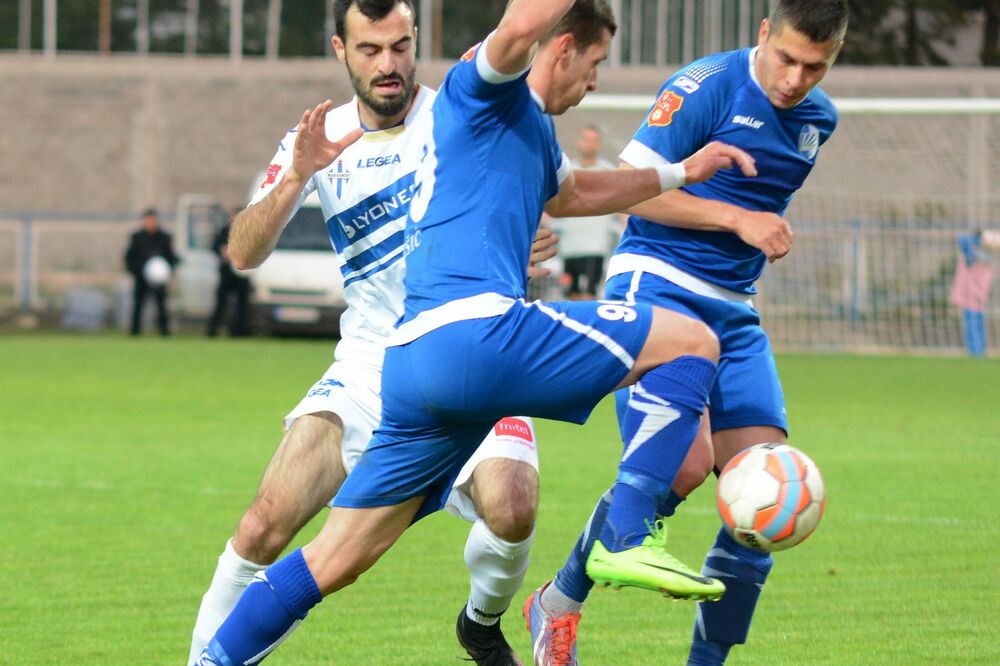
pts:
pixel 718 98
pixel 491 162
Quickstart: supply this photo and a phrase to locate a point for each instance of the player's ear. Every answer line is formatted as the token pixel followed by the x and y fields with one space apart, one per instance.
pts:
pixel 836 52
pixel 764 31
pixel 565 46
pixel 339 48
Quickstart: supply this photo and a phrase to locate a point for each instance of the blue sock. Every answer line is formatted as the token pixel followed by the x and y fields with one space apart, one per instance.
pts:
pixel 724 623
pixel 268 609
pixel 572 580
pixel 661 420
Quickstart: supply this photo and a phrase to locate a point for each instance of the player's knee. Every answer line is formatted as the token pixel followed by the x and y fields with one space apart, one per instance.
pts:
pixel 260 537
pixel 678 335
pixel 511 522
pixel 702 340
pixel 697 466
pixel 690 476
pixel 510 511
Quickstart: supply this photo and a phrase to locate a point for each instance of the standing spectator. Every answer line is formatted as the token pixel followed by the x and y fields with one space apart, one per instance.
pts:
pixel 231 284
pixel 150 259
pixel 585 242
pixel 971 290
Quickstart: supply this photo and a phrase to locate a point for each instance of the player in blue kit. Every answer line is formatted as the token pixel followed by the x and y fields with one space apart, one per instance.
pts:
pixel 365 190
pixel 699 251
pixel 469 346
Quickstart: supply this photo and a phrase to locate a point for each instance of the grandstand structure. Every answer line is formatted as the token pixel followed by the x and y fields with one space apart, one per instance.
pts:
pixel 911 166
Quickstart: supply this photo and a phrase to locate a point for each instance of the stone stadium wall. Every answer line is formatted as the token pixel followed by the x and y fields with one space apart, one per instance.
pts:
pixel 86 133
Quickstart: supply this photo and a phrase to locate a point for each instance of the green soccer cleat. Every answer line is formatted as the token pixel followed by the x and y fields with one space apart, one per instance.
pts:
pixel 651 567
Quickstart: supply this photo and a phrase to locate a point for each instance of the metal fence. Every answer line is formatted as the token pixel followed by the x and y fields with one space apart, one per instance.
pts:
pixel 853 287
pixel 651 32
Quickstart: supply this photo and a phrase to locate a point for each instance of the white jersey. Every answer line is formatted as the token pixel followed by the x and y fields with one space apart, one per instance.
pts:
pixel 365 197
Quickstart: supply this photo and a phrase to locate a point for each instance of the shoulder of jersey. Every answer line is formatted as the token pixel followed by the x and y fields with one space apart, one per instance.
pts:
pixel 822 100
pixel 716 70
pixel 344 116
pixel 425 98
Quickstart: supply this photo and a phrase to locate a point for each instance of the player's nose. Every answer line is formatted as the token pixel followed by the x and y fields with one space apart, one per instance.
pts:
pixel 795 78
pixel 386 63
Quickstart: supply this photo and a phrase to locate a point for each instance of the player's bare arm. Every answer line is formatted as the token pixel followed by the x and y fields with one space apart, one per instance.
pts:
pixel 767 232
pixel 255 231
pixel 525 22
pixel 605 191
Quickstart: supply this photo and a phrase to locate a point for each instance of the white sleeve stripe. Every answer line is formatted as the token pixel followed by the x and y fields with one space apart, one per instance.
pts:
pixel 486 70
pixel 641 156
pixel 565 168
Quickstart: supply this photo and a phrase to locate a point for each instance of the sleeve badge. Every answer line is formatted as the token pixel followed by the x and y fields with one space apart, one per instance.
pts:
pixel 663 111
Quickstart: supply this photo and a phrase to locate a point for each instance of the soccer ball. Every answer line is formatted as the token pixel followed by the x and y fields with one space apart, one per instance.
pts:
pixel 770 497
pixel 156 271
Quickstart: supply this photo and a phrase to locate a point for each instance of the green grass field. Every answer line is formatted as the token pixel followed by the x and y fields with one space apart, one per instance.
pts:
pixel 126 463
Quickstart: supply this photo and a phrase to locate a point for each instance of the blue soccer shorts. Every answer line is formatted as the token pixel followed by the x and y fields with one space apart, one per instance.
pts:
pixel 442 392
pixel 747 391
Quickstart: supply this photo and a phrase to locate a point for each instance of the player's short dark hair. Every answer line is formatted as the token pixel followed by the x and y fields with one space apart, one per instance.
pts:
pixel 819 20
pixel 586 21
pixel 150 212
pixel 374 10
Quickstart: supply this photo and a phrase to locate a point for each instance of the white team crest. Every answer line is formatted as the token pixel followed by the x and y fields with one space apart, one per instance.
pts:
pixel 809 142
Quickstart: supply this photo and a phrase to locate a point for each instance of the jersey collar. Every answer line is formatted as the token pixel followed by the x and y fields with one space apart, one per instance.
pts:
pixel 538 99
pixel 753 71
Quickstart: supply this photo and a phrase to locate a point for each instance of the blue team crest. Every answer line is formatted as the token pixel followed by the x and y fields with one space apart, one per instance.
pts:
pixel 809 142
pixel 339 176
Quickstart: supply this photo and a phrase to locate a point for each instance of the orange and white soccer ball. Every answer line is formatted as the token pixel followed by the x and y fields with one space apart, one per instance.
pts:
pixel 770 496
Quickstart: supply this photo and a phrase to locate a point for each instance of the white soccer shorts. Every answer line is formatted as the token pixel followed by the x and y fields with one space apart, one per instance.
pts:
pixel 352 391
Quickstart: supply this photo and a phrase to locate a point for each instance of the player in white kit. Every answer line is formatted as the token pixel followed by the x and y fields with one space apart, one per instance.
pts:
pixel 365 194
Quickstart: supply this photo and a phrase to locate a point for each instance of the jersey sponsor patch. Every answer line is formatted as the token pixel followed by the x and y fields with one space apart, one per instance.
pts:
pixel 271 175
pixel 512 427
pixel 663 111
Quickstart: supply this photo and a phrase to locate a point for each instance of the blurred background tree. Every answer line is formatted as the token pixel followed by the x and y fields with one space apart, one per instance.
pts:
pixel 883 32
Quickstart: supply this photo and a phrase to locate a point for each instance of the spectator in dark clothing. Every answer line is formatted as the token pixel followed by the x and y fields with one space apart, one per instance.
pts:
pixel 145 246
pixel 232 285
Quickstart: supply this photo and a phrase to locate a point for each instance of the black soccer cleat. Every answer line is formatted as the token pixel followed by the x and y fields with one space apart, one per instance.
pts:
pixel 485 644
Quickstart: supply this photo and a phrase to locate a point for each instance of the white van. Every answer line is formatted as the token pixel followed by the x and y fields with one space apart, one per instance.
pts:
pixel 298 289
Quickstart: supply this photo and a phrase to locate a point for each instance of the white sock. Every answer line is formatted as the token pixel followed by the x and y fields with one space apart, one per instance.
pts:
pixel 554 602
pixel 232 575
pixel 496 569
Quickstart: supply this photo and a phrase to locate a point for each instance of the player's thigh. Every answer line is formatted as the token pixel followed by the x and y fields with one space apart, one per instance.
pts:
pixel 325 434
pixel 499 483
pixel 671 336
pixel 305 471
pixel 727 443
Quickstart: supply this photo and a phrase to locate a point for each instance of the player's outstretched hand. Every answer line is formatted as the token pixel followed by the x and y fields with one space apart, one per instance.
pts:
pixel 767 232
pixel 714 156
pixel 313 150
pixel 543 248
